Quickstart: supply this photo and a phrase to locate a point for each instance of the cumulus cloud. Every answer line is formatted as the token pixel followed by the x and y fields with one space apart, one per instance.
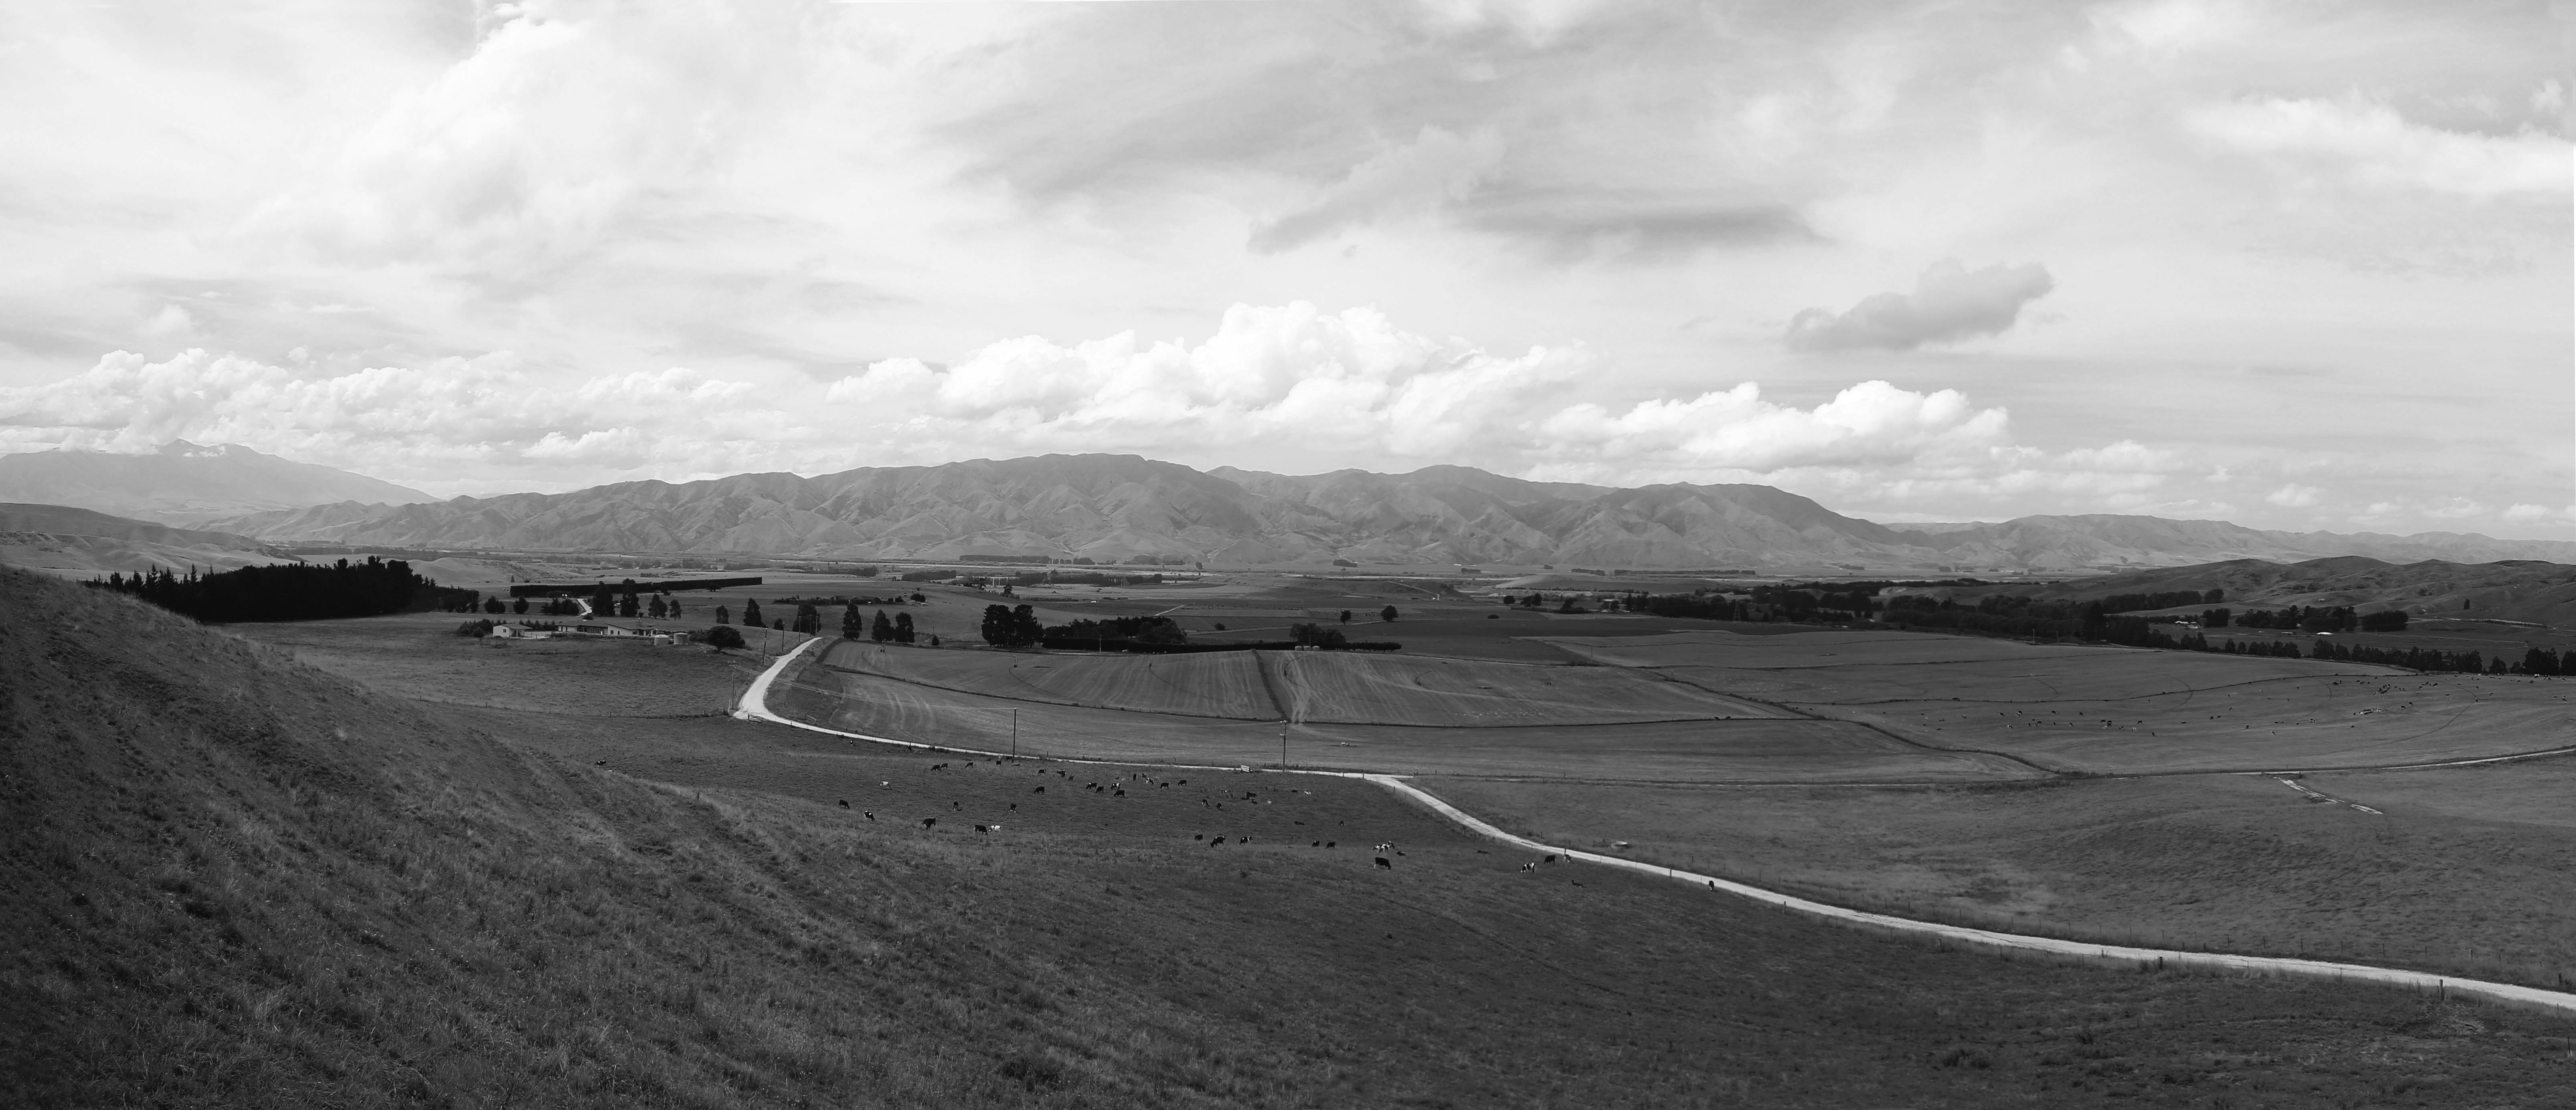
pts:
pixel 1872 424
pixel 2369 144
pixel 454 425
pixel 1949 302
pixel 1348 380
pixel 2295 496
pixel 1350 388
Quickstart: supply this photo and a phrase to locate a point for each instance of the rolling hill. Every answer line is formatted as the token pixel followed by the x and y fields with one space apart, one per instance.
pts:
pixel 185 484
pixel 1122 508
pixel 80 542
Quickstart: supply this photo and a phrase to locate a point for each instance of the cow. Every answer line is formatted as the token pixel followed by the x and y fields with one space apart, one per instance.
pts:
pixel 872 814
pixel 927 822
pixel 845 803
pixel 1331 844
pixel 1040 790
pixel 1383 862
pixel 983 828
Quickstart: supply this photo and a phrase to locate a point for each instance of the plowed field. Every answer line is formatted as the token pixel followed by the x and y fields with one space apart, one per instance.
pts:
pixel 1215 684
pixel 1319 687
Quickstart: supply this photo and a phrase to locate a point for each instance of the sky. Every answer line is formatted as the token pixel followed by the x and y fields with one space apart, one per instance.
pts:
pixel 2296 265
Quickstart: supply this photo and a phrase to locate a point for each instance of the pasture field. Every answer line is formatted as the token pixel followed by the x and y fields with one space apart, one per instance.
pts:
pixel 1373 689
pixel 240 883
pixel 2096 710
pixel 419 655
pixel 1225 684
pixel 1806 648
pixel 2463 871
pixel 2280 724
pixel 1739 750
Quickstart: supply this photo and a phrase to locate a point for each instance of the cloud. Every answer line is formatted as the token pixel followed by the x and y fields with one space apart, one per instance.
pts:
pixel 2369 144
pixel 1297 386
pixel 1289 374
pixel 561 119
pixel 1872 424
pixel 1949 302
pixel 452 425
pixel 1436 167
pixel 2295 496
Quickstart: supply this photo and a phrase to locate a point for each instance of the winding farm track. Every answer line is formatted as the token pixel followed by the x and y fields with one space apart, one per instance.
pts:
pixel 755 706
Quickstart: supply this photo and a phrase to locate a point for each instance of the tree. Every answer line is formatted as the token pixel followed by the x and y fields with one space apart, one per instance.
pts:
pixel 673 609
pixel 918 597
pixel 881 629
pixel 723 636
pixel 852 624
pixel 1024 624
pixel 1386 614
pixel 653 607
pixel 2214 618
pixel 2213 597
pixel 492 605
pixel 1306 635
pixel 809 620
pixel 2539 661
pixel 997 626
pixel 903 628
pixel 520 606
pixel 751 612
pixel 1346 616
pixel 2391 620
pixel 722 617
pixel 778 624
pixel 603 603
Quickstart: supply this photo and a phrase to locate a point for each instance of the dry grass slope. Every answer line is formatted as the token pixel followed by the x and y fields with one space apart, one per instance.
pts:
pixel 235 880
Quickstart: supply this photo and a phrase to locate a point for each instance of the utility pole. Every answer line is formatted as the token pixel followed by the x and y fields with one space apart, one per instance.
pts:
pixel 1015 733
pixel 1283 749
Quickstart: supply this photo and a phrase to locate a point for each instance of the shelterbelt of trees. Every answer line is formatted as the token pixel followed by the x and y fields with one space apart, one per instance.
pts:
pixel 1010 626
pixel 292 591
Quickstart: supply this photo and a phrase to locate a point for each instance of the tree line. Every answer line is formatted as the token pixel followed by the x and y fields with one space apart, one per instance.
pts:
pixel 291 591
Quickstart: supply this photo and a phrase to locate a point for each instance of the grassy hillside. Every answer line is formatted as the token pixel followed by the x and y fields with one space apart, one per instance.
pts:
pixel 238 880
pixel 2460 872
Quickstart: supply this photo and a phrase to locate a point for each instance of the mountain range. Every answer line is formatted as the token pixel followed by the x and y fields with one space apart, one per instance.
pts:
pixel 185 484
pixel 1122 508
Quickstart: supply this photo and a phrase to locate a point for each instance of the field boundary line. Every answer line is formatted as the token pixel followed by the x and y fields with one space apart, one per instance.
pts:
pixel 755 706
